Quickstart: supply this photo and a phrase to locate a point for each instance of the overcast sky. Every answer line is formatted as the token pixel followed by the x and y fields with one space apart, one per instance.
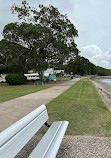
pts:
pixel 92 18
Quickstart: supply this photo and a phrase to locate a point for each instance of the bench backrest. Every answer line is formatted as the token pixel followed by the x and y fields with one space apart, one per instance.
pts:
pixel 13 139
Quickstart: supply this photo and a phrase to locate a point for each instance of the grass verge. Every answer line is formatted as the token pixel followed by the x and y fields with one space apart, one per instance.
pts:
pixel 10 92
pixel 82 106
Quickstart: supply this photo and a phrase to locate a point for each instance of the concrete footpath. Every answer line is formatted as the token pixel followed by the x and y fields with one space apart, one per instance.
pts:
pixel 13 110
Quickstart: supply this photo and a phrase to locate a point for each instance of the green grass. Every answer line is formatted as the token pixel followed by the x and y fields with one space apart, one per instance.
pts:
pixel 82 106
pixel 9 92
pixel 64 78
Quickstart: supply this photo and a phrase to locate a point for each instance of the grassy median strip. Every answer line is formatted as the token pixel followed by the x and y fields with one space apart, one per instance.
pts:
pixel 10 92
pixel 82 106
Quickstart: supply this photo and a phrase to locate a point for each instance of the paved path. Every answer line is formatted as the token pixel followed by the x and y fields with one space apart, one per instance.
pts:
pixel 13 110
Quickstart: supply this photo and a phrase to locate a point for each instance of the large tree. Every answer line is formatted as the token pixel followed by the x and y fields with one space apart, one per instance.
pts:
pixel 47 33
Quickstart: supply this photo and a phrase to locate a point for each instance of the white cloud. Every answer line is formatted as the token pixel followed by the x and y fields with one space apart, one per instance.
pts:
pixel 97 56
pixel 91 50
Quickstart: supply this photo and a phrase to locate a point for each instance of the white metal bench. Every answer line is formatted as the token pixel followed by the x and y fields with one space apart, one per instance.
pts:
pixel 14 138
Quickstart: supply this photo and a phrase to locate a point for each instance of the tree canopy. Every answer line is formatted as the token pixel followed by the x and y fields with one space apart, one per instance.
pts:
pixel 83 66
pixel 12 57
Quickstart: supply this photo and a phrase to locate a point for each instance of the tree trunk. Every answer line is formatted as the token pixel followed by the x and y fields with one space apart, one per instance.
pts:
pixel 41 76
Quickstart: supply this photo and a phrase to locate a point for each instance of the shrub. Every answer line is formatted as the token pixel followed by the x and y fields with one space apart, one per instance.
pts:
pixel 58 74
pixel 47 79
pixel 16 79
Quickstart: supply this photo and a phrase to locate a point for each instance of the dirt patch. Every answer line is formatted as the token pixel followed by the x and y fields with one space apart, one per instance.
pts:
pixel 72 104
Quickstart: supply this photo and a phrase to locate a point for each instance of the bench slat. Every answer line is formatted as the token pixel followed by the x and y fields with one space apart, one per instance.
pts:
pixel 15 142
pixel 16 127
pixel 50 143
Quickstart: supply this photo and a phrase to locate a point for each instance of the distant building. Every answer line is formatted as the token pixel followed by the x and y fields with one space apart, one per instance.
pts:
pixel 58 71
pixel 48 71
pixel 35 76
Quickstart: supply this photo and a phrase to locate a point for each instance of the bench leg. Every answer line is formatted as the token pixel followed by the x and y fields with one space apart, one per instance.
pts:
pixel 47 124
